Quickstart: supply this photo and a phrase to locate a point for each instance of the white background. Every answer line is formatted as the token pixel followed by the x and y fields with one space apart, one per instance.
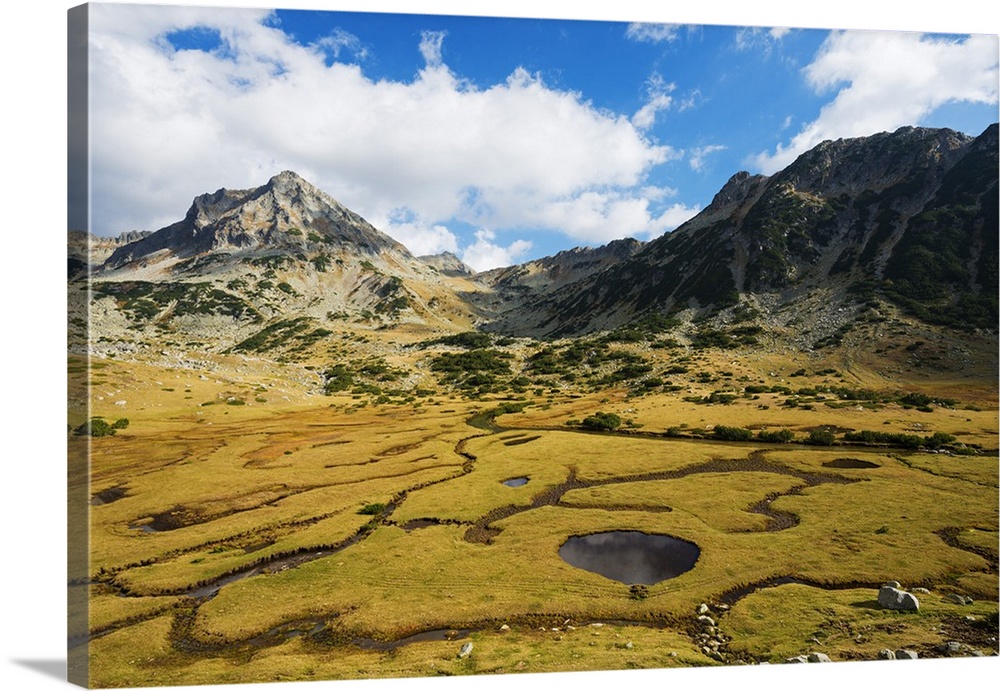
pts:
pixel 32 389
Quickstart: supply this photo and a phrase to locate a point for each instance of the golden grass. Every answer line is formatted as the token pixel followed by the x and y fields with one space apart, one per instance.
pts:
pixel 777 623
pixel 248 483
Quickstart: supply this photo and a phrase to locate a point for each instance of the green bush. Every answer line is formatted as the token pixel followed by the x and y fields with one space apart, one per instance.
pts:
pixel 821 437
pixel 781 436
pixel 601 421
pixel 726 433
pixel 99 427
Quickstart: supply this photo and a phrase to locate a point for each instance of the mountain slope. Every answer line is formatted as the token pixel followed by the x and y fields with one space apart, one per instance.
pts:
pixel 287 214
pixel 908 216
pixel 282 258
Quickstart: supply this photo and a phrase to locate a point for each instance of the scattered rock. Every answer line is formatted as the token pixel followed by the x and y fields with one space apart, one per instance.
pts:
pixel 818 657
pixel 702 608
pixel 891 597
pixel 629 646
pixel 906 655
pixel 505 628
pixel 950 648
pixel 886 654
pixel 797 659
pixel 922 591
pixel 465 651
pixel 705 621
pixel 957 599
pixel 893 584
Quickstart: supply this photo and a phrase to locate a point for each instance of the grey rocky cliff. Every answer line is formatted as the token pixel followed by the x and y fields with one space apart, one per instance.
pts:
pixel 286 213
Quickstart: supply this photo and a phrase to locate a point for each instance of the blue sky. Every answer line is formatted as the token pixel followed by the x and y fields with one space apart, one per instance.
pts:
pixel 499 139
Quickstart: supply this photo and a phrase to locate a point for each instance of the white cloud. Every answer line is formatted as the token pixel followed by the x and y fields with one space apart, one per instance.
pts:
pixel 484 254
pixel 659 99
pixel 671 218
pixel 419 238
pixel 884 80
pixel 763 40
pixel 342 41
pixel 168 125
pixel 653 33
pixel 430 47
pixel 697 159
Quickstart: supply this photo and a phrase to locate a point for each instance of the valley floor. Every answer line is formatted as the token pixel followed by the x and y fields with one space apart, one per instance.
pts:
pixel 244 527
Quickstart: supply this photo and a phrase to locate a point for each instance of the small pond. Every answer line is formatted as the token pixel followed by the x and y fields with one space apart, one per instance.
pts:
pixel 631 557
pixel 850 463
pixel 516 481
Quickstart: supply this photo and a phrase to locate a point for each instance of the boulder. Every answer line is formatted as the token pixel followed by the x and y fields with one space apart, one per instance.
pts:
pixel 906 655
pixel 466 650
pixel 818 657
pixel 891 597
pixel 886 654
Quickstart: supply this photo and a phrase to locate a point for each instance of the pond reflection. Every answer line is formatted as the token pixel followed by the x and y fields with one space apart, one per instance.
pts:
pixel 631 557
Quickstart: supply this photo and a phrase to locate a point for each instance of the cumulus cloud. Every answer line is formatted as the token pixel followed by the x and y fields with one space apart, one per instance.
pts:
pixel 420 238
pixel 885 80
pixel 169 124
pixel 485 254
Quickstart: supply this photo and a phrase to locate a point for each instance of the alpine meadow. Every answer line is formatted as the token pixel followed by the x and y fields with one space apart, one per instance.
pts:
pixel 315 434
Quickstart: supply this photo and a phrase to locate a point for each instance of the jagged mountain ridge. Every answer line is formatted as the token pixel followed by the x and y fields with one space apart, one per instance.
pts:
pixel 448 264
pixel 86 252
pixel 283 253
pixel 908 216
pixel 549 273
pixel 287 213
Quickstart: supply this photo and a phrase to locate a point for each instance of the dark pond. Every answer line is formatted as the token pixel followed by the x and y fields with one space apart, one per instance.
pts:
pixel 631 557
pixel 850 463
pixel 516 481
pixel 109 495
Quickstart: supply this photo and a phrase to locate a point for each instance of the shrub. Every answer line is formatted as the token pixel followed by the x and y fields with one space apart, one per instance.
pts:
pixel 726 433
pixel 781 436
pixel 601 421
pixel 638 591
pixel 95 427
pixel 821 437
pixel 371 509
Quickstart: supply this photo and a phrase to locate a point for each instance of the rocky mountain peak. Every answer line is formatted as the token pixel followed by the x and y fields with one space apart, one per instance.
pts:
pixel 448 264
pixel 287 213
